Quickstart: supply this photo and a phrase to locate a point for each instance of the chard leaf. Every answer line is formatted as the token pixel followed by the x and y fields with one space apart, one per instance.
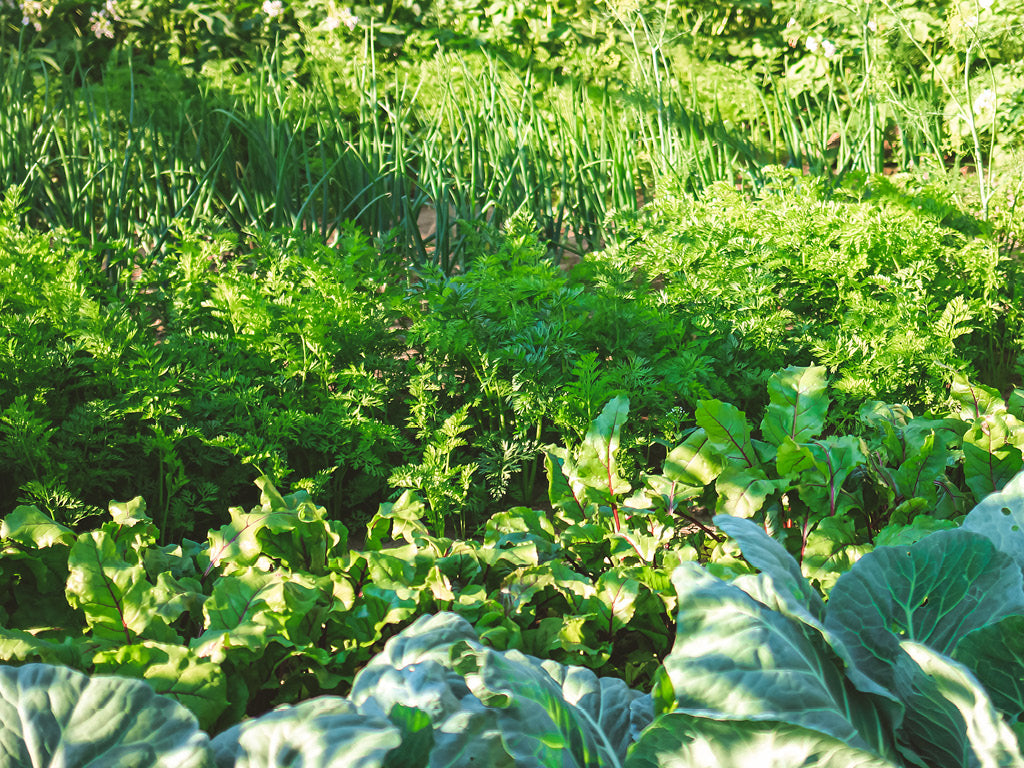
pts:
pixel 735 659
pixel 595 467
pixel 742 492
pixel 694 463
pixel 990 457
pixel 956 723
pixel 327 732
pixel 54 716
pixel 917 476
pixel 402 519
pixel 1000 517
pixel 616 596
pixel 19 646
pixel 119 603
pixel 995 654
pixel 249 608
pixel 798 402
pixel 823 467
pixel 289 529
pixel 174 671
pixel 976 400
pixel 728 432
pixel 680 740
pixel 771 558
pixel 934 592
pixel 34 530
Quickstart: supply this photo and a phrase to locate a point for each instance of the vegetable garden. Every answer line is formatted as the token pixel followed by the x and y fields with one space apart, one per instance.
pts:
pixel 454 383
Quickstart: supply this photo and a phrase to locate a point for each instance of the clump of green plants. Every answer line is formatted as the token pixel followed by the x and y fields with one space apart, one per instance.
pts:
pixel 891 293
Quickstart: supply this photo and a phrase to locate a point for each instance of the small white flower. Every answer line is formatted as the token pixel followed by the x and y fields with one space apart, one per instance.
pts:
pixel 828 48
pixel 346 17
pixel 99 24
pixel 984 103
pixel 273 8
pixel 872 26
pixel 986 4
pixel 812 44
pixel 791 23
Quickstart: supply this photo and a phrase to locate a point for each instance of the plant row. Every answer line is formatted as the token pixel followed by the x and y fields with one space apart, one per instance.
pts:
pixel 337 370
pixel 915 660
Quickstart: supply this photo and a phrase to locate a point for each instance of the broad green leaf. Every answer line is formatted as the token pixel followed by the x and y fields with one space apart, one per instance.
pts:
pixel 539 727
pixel 900 535
pixel 771 558
pixel 976 400
pixel 402 519
pixel 995 654
pixel 1000 517
pixel 34 530
pixel 172 670
pixel 832 548
pixel 616 710
pixel 736 659
pixel 596 465
pixel 291 530
pixel 54 716
pixel 679 740
pixel 249 608
pixel 119 603
pixel 616 597
pixel 798 402
pixel 1015 403
pixel 933 592
pixel 923 468
pixel 823 466
pixel 728 432
pixel 694 463
pixel 327 732
pixel 19 647
pixel 742 492
pixel 979 729
pixel 990 457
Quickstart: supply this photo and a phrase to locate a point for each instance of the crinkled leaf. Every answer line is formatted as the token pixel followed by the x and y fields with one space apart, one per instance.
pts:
pixel 736 659
pixel 327 732
pixel 54 716
pixel 118 600
pixel 933 592
pixel 250 607
pixel 174 671
pixel 402 519
pixel 679 740
pixel 18 646
pixel 289 529
pixel 798 402
pixel 616 596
